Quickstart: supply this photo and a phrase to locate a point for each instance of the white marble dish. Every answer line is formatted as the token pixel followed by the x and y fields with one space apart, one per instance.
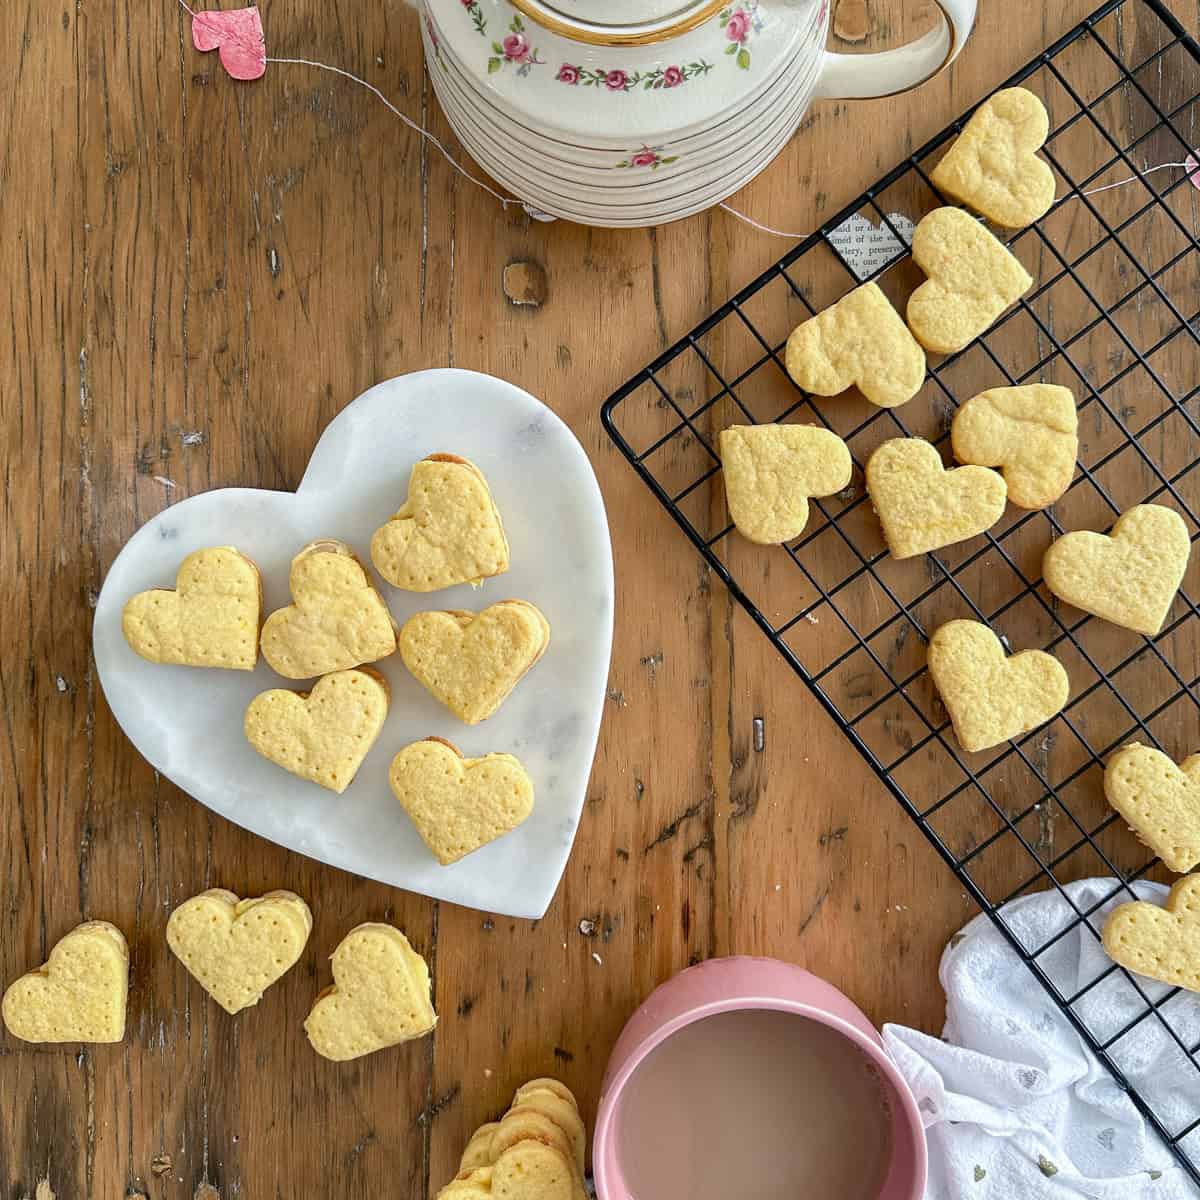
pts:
pixel 188 722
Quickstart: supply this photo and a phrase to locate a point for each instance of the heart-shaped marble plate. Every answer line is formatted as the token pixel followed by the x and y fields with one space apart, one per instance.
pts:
pixel 188 722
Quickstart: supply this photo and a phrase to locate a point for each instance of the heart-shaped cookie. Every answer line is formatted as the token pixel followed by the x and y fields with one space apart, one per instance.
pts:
pixel 337 619
pixel 322 735
pixel 527 1171
pixel 993 165
pixel 1161 801
pixel 971 280
pixel 1162 943
pixel 211 619
pixel 772 470
pixel 1128 576
pixel 79 995
pixel 380 996
pixel 448 531
pixel 459 804
pixel 921 505
pixel 861 341
pixel 470 662
pixel 236 949
pixel 528 1124
pixel 1031 433
pixel 991 697
pixel 532 1102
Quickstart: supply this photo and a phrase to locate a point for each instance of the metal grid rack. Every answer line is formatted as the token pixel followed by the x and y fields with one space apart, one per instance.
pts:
pixel 1115 315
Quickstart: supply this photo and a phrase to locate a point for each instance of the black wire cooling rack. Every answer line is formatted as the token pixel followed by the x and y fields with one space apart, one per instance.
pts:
pixel 1114 315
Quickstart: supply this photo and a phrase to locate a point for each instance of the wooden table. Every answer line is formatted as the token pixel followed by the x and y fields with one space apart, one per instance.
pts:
pixel 199 275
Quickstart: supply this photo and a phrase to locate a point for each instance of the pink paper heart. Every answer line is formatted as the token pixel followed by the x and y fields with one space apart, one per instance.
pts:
pixel 238 33
pixel 1193 170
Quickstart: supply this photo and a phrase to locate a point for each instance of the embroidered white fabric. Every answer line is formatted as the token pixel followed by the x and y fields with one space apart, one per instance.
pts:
pixel 1014 1103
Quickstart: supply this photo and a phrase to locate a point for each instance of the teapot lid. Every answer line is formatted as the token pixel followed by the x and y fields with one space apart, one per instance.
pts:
pixel 619 22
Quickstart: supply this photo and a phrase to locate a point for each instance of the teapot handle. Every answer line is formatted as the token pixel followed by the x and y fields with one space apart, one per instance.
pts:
pixel 866 76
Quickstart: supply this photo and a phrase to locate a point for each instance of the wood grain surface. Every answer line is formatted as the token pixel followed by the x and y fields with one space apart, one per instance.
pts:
pixel 197 276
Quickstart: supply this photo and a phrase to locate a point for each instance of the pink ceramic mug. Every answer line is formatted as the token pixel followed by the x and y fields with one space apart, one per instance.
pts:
pixel 749 985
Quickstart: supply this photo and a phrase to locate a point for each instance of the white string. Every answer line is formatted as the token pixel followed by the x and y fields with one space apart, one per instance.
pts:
pixel 795 237
pixel 741 216
pixel 307 62
pixel 1134 178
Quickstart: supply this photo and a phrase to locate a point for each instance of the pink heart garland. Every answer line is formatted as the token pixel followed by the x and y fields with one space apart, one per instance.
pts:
pixel 238 33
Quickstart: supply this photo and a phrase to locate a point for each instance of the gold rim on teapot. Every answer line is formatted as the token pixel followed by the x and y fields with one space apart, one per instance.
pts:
pixel 595 35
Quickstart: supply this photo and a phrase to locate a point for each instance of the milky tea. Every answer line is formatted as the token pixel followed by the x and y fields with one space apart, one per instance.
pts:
pixel 755 1105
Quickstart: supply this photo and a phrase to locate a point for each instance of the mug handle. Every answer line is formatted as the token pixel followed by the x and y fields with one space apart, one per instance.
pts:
pixel 868 76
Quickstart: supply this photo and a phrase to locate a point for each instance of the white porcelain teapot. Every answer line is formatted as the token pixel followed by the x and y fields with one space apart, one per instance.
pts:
pixel 636 112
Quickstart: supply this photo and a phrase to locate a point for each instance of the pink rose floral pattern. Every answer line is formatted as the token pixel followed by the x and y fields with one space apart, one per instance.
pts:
pixel 514 49
pixel 478 20
pixel 626 81
pixel 648 156
pixel 740 22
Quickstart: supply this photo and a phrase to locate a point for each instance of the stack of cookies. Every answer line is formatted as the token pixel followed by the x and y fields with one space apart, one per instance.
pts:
pixel 448 531
pixel 534 1152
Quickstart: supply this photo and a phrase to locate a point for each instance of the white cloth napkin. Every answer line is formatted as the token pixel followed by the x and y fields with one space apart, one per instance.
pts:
pixel 1015 1105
